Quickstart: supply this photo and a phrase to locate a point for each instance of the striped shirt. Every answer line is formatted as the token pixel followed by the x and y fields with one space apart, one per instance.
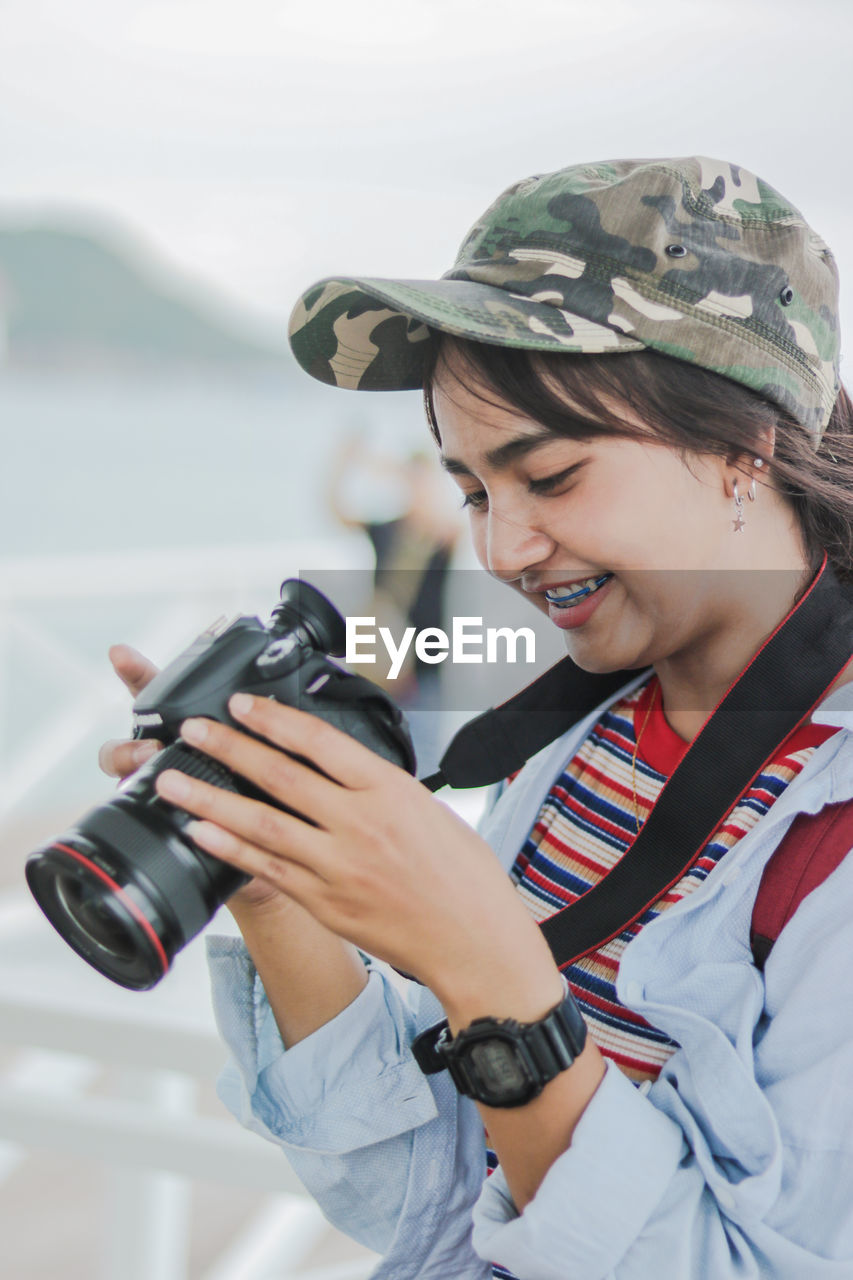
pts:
pixel 590 818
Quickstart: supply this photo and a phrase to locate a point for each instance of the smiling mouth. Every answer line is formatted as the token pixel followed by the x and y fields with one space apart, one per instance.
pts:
pixel 568 597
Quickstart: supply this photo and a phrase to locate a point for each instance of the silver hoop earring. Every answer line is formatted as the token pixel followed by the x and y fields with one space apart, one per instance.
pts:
pixel 738 522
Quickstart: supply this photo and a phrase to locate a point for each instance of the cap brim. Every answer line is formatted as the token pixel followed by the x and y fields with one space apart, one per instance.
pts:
pixel 370 335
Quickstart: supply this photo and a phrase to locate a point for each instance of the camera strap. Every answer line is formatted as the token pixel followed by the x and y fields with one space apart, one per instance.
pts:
pixel 779 688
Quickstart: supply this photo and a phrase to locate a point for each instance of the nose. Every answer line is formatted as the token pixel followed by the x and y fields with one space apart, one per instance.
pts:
pixel 513 545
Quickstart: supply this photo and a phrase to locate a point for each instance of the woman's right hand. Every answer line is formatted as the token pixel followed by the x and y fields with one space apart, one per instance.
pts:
pixel 121 757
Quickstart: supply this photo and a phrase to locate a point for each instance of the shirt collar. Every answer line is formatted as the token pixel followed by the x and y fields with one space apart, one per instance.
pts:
pixel 837 709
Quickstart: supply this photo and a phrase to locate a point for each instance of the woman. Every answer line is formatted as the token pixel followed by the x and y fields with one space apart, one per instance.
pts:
pixel 622 357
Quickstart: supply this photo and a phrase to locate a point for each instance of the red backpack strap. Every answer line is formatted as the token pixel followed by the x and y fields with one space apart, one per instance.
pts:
pixel 815 844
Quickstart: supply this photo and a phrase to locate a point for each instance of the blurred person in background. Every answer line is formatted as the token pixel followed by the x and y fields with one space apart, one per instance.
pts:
pixel 412 551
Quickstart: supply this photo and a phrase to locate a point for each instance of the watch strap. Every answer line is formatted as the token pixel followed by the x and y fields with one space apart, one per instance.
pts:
pixel 425 1048
pixel 557 1039
pixel 549 1046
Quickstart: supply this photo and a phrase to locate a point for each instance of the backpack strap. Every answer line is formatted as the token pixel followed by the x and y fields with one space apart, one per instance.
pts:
pixel 815 844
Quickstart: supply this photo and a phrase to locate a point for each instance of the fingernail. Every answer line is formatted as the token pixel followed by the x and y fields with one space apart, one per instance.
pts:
pixel 145 751
pixel 241 704
pixel 173 785
pixel 194 731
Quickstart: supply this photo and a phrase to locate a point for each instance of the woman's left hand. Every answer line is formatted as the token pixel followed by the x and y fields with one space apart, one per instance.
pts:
pixel 367 850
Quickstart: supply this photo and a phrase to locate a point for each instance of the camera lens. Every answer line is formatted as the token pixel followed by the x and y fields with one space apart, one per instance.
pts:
pixel 125 887
pixel 98 914
pixel 112 924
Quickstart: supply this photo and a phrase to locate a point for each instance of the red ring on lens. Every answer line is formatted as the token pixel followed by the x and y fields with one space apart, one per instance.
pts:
pixel 124 898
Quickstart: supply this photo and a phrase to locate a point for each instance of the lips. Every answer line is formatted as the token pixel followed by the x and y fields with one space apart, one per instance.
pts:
pixel 564 597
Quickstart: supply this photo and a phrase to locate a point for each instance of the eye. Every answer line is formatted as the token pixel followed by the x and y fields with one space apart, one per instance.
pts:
pixel 476 500
pixel 548 483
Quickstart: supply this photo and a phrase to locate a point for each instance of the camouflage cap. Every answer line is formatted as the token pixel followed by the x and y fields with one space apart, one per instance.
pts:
pixel 695 258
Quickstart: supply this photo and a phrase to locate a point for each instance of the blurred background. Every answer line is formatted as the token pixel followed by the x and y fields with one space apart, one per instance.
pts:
pixel 173 174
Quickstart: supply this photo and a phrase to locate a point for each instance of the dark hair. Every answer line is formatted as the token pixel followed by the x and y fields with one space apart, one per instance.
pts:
pixel 690 409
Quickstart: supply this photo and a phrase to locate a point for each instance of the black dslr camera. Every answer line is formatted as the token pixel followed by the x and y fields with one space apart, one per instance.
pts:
pixel 127 888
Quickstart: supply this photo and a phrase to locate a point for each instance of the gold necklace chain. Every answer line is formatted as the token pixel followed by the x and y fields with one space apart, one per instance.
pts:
pixel 634 757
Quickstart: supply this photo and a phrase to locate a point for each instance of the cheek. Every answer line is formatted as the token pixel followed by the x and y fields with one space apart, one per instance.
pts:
pixel 646 526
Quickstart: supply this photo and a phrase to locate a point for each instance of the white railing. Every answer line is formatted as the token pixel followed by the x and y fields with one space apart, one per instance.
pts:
pixel 95 1071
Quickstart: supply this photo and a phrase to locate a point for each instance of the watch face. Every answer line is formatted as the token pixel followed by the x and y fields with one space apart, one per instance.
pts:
pixel 498 1069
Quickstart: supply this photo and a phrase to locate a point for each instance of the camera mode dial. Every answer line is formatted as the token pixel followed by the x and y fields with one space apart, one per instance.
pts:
pixel 280 658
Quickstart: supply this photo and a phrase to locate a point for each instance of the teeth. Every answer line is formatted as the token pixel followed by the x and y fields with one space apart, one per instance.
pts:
pixel 566 597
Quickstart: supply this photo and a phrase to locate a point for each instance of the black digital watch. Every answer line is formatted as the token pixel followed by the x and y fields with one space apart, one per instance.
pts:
pixel 501 1062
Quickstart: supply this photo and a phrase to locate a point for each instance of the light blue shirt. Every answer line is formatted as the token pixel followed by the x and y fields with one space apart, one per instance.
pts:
pixel 736 1162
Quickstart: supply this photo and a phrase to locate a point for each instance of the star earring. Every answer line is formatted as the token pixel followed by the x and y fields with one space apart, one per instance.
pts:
pixel 739 523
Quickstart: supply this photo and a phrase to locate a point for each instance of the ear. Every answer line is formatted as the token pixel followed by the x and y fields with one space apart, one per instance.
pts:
pixel 746 467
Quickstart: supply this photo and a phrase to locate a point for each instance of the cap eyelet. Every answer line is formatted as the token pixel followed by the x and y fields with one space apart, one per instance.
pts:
pixel 786 297
pixel 676 251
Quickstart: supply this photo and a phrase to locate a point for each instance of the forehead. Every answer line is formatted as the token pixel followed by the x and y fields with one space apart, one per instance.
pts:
pixel 477 426
pixel 478 429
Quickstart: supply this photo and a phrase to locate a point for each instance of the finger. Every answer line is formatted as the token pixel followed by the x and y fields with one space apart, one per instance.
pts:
pixel 338 755
pixel 132 667
pixel 251 821
pixel 299 882
pixel 120 757
pixel 279 775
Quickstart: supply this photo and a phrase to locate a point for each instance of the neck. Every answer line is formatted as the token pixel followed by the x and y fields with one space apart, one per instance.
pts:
pixel 695 680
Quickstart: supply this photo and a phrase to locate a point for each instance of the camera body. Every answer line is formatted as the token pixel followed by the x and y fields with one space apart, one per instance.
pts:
pixel 245 656
pixel 127 887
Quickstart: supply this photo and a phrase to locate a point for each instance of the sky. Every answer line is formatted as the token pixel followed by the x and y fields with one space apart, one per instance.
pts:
pixel 261 145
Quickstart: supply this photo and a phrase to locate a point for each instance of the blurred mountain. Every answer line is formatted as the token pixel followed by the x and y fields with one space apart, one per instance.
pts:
pixel 72 298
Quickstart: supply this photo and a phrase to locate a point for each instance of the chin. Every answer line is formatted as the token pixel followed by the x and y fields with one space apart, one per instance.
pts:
pixel 602 665
pixel 600 660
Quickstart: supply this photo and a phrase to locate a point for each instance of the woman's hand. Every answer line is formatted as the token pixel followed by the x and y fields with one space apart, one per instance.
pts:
pixel 371 855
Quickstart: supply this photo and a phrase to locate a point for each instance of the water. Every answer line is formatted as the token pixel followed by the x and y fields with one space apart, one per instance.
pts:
pixel 97 464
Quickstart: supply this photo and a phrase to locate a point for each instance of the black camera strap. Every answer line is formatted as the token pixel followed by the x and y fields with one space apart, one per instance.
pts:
pixel 498 742
pixel 777 690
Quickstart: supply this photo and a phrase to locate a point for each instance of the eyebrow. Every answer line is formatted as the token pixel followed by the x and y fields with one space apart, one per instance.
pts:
pixel 503 455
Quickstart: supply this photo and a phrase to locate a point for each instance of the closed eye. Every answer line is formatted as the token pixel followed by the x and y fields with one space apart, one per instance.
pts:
pixel 477 499
pixel 547 483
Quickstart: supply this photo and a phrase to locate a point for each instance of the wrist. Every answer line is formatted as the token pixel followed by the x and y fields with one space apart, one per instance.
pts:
pixel 248 907
pixel 523 997
pixel 523 983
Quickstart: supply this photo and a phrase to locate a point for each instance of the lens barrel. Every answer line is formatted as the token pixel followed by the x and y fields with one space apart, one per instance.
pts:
pixel 126 887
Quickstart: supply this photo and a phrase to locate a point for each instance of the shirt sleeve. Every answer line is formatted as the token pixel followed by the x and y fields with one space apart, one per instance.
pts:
pixel 395 1160
pixel 737 1163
